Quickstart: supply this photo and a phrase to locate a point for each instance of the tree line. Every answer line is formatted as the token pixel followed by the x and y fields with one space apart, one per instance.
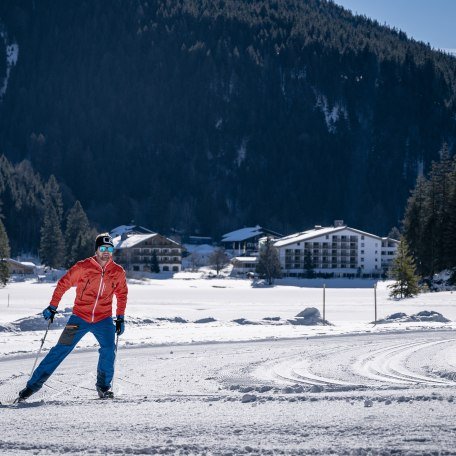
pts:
pixel 429 224
pixel 35 220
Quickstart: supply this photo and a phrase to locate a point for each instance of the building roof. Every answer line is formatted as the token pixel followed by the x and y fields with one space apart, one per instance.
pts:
pixel 317 232
pixel 242 234
pixel 25 264
pixel 245 259
pixel 118 231
pixel 386 238
pixel 131 240
pixel 134 239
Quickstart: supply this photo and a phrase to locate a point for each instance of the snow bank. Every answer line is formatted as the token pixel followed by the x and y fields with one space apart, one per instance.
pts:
pixel 310 316
pixel 425 315
pixel 37 322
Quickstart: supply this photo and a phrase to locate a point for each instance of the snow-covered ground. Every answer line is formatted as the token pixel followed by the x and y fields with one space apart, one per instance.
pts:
pixel 244 380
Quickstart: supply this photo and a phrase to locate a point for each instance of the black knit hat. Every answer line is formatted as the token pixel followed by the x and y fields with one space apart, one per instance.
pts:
pixel 103 239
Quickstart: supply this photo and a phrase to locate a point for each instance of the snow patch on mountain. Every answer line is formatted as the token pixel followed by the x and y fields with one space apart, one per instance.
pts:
pixel 332 114
pixel 241 152
pixel 12 54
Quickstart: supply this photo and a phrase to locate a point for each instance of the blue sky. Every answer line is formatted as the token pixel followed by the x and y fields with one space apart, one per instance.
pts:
pixel 431 21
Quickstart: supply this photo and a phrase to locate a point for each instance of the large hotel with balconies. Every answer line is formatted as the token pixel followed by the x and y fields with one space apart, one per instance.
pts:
pixel 339 251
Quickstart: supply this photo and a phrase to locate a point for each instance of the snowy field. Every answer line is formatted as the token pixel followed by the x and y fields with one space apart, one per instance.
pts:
pixel 216 367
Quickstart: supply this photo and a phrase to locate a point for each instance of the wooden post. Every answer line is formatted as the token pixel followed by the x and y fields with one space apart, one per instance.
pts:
pixel 375 302
pixel 8 300
pixel 324 304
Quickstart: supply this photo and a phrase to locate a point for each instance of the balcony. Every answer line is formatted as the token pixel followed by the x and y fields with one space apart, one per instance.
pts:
pixel 137 260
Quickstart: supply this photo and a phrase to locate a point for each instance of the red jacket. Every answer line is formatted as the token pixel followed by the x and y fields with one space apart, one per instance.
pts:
pixel 95 287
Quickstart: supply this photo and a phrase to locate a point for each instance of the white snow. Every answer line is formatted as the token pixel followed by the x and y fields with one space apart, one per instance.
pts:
pixel 242 234
pixel 332 114
pixel 241 153
pixel 243 379
pixel 131 240
pixel 125 229
pixel 12 54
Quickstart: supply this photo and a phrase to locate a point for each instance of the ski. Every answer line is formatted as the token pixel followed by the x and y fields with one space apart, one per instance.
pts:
pixel 18 403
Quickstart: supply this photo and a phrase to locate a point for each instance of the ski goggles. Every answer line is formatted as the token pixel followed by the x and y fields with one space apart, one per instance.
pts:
pixel 106 248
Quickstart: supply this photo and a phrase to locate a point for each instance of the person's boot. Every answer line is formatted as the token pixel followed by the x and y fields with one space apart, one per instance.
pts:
pixel 104 392
pixel 24 394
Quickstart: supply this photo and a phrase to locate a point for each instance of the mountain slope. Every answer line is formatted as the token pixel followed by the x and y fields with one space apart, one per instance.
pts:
pixel 203 115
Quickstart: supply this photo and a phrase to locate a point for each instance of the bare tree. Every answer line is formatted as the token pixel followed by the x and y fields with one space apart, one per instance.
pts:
pixel 268 265
pixel 196 261
pixel 218 259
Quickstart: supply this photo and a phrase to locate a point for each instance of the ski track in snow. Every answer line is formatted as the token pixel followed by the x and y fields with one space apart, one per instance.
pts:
pixel 376 394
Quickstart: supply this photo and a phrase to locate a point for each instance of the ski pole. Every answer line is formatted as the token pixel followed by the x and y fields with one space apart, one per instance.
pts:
pixel 39 351
pixel 115 360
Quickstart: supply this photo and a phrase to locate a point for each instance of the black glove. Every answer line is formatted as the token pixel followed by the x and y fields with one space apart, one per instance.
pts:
pixel 49 313
pixel 120 324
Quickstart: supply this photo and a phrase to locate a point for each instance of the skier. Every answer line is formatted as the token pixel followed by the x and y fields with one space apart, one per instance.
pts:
pixel 97 279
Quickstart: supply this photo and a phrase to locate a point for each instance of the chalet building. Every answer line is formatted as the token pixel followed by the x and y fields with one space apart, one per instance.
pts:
pixel 244 265
pixel 338 250
pixel 135 252
pixel 20 267
pixel 245 240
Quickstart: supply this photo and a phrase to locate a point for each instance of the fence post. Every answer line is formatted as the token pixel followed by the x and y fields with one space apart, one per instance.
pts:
pixel 324 304
pixel 375 302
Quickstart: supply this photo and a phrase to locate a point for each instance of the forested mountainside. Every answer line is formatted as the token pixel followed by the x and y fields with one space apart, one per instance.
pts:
pixel 206 115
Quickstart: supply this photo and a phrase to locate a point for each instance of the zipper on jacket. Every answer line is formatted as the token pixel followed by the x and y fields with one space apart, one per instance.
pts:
pixel 98 294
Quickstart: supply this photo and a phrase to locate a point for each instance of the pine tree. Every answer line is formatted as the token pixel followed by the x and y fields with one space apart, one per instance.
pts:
pixel 4 254
pixel 268 266
pixel 403 272
pixel 79 236
pixel 309 265
pixel 440 186
pixel 154 266
pixel 52 191
pixel 414 222
pixel 52 244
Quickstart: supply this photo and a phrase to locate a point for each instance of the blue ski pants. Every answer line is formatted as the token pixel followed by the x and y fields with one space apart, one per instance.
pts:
pixel 104 331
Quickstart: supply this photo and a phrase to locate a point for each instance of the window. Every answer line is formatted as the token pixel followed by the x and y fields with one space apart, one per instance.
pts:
pixel 298 243
pixel 362 244
pixel 165 268
pixel 362 259
pixel 362 251
pixel 135 268
pixel 362 238
pixel 175 269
